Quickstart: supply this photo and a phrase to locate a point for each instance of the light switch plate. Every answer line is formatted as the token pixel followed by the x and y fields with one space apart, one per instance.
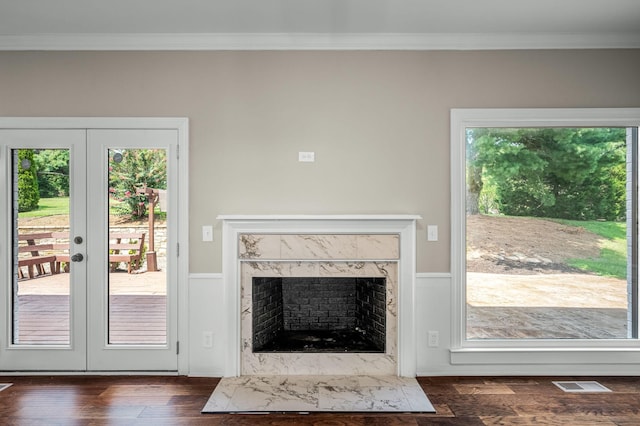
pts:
pixel 207 339
pixel 207 233
pixel 432 233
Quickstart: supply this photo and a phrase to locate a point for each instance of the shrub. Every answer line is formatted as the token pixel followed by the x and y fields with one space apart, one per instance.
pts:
pixel 28 195
pixel 137 169
pixel 53 172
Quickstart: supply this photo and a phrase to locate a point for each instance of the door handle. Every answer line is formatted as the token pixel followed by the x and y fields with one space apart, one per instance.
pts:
pixel 78 257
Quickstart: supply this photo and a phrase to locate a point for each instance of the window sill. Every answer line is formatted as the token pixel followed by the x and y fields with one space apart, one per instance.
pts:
pixel 545 356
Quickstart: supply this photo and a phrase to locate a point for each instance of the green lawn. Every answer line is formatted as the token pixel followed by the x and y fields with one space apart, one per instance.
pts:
pixel 49 207
pixel 60 205
pixel 613 249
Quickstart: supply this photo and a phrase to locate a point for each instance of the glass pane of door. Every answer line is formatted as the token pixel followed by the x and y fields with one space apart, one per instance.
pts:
pixel 41 282
pixel 137 238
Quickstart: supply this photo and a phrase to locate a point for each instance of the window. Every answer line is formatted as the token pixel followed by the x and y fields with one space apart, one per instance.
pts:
pixel 544 206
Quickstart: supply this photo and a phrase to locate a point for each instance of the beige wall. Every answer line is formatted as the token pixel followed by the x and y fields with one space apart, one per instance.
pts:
pixel 377 121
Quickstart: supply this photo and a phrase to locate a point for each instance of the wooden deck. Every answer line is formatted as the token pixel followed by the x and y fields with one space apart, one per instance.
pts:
pixel 138 319
pixel 44 319
pixel 137 309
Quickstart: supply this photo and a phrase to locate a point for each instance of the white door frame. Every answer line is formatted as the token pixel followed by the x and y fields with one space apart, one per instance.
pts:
pixel 181 125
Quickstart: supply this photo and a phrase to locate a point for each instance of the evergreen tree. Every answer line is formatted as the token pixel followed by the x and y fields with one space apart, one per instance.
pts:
pixel 550 172
pixel 28 196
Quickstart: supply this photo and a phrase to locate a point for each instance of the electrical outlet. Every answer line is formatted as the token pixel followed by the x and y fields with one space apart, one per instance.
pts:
pixel 306 157
pixel 207 339
pixel 434 339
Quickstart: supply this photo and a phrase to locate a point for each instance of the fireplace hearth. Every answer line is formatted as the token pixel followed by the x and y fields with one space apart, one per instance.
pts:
pixel 319 314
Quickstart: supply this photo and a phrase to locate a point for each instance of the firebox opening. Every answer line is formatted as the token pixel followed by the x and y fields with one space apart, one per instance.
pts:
pixel 302 314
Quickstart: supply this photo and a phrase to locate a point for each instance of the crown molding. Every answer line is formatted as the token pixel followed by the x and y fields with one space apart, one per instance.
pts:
pixel 319 41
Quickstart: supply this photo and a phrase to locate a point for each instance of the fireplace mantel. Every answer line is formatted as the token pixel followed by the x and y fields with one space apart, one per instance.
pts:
pixel 404 226
pixel 303 217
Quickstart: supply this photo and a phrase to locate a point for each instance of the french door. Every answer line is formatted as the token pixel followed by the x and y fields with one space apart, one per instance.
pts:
pixel 89 265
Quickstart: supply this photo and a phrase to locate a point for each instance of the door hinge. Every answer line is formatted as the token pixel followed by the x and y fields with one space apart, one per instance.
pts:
pixel 178 152
pixel 177 249
pixel 177 348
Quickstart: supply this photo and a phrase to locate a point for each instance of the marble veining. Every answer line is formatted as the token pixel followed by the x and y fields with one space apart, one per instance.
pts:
pixel 372 246
pixel 319 246
pixel 366 393
pixel 318 255
pixel 256 246
pixel 318 363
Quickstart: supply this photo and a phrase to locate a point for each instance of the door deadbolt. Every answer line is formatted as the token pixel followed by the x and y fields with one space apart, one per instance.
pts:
pixel 78 240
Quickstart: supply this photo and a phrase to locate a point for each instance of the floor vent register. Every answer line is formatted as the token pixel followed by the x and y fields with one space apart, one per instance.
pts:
pixel 581 387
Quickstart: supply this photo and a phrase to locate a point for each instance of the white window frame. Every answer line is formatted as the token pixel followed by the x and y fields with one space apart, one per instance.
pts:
pixel 512 351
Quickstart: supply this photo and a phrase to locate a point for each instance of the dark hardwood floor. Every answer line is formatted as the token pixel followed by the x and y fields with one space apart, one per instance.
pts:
pixel 151 400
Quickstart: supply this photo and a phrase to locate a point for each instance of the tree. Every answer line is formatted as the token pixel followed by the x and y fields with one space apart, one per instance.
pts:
pixel 53 172
pixel 28 197
pixel 552 172
pixel 500 154
pixel 133 169
pixel 475 165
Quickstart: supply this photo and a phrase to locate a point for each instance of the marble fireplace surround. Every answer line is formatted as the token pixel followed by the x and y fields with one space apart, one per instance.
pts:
pixel 337 245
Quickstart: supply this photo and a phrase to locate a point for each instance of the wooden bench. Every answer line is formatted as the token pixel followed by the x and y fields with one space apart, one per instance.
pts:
pixel 43 248
pixel 53 248
pixel 129 251
pixel 123 247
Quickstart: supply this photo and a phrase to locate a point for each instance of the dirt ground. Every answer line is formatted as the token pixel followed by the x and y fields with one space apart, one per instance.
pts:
pixel 519 285
pixel 521 245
